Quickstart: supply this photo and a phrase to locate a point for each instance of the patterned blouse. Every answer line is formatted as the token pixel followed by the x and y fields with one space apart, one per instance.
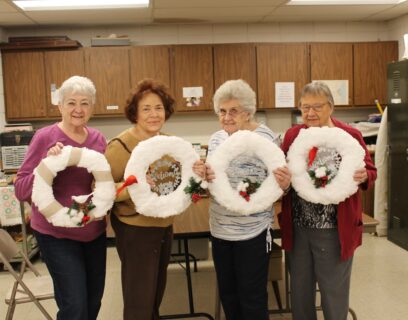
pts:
pixel 314 215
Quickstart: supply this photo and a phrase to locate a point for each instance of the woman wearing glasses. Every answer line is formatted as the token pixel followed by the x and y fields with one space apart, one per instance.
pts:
pixel 321 239
pixel 239 242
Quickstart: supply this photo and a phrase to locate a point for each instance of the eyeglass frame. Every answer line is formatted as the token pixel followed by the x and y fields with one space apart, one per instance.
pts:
pixel 228 112
pixel 316 107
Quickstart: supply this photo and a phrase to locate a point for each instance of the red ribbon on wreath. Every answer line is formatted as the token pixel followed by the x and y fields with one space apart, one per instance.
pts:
pixel 312 155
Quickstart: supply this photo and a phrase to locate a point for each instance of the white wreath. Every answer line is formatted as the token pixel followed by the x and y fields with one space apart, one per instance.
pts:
pixel 149 203
pixel 103 194
pixel 342 185
pixel 251 144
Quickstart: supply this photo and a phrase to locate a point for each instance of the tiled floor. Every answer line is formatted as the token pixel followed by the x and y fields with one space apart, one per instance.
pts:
pixel 378 290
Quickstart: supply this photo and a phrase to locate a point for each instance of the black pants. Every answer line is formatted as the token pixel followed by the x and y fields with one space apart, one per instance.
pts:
pixel 242 276
pixel 145 254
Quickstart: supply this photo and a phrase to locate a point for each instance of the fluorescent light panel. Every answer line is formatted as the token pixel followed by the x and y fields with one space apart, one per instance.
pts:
pixel 40 5
pixel 342 2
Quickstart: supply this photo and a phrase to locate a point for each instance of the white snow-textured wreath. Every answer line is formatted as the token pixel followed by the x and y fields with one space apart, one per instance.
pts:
pixel 84 207
pixel 251 144
pixel 342 185
pixel 146 152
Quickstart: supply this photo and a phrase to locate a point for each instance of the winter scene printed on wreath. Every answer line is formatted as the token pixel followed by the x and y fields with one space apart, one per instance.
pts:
pixel 169 162
pixel 249 195
pixel 322 162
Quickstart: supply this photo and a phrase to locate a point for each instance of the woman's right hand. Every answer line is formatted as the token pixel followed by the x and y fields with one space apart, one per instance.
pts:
pixel 55 150
pixel 210 174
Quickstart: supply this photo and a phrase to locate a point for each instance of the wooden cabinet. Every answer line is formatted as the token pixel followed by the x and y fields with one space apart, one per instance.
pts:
pixel 59 66
pixel 109 69
pixel 280 63
pixel 235 61
pixel 23 76
pixel 193 67
pixel 332 61
pixel 150 62
pixel 29 74
pixel 370 70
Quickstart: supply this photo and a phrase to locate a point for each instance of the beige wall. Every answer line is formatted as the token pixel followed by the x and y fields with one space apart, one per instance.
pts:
pixel 198 127
pixel 397 28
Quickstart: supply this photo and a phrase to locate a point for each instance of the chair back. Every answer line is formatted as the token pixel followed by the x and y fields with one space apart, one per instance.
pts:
pixel 8 247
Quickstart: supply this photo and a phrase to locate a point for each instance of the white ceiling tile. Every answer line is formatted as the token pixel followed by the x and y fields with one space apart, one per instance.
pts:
pixel 91 17
pixel 166 12
pixel 324 13
pixel 159 4
pixel 206 13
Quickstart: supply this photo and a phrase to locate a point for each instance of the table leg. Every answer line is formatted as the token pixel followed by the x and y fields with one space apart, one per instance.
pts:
pixel 192 314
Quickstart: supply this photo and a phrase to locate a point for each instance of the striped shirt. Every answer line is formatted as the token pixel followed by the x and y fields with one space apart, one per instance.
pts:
pixel 228 225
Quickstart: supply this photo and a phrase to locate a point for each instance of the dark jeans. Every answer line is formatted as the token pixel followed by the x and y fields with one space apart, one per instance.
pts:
pixel 242 275
pixel 78 273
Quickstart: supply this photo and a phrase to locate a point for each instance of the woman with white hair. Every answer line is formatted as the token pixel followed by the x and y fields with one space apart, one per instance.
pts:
pixel 239 242
pixel 75 257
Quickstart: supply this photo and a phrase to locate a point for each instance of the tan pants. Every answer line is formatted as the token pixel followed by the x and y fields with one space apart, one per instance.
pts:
pixel 145 254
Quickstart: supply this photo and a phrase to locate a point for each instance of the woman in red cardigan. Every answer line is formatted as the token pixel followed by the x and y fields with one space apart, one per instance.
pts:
pixel 321 239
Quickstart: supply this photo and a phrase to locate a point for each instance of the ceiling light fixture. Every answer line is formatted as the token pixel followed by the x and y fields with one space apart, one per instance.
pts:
pixel 37 5
pixel 341 2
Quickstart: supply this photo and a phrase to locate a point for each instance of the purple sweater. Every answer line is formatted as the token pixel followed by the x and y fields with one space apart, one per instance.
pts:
pixel 72 181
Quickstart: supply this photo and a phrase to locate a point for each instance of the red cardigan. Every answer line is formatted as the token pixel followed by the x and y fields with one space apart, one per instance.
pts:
pixel 349 212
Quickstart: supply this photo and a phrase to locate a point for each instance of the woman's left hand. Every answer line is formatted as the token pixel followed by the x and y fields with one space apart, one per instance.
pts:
pixel 282 176
pixel 360 175
pixel 199 169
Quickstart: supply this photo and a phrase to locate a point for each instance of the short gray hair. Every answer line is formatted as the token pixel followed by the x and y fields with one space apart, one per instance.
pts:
pixel 317 88
pixel 77 84
pixel 239 90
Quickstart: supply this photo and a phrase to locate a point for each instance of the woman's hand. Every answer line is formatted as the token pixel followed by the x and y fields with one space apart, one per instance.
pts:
pixel 360 175
pixel 55 150
pixel 283 176
pixel 210 174
pixel 200 169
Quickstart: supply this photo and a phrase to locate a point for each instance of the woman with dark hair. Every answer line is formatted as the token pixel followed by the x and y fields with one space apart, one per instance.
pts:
pixel 143 243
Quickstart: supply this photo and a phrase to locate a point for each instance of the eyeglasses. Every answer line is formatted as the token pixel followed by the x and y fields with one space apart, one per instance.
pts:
pixel 233 112
pixel 315 107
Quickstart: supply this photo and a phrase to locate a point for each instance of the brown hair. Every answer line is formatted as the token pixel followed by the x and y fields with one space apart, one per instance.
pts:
pixel 142 88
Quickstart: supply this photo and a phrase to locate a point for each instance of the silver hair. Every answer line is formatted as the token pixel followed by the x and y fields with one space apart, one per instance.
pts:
pixel 77 84
pixel 317 88
pixel 239 90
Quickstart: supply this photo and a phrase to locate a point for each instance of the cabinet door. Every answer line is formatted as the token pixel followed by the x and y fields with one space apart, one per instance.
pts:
pixel 109 69
pixel 280 63
pixel 24 85
pixel 193 67
pixel 332 61
pixel 236 61
pixel 150 62
pixel 370 70
pixel 59 66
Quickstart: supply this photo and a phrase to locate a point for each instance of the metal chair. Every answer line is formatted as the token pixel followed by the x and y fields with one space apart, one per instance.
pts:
pixel 27 290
